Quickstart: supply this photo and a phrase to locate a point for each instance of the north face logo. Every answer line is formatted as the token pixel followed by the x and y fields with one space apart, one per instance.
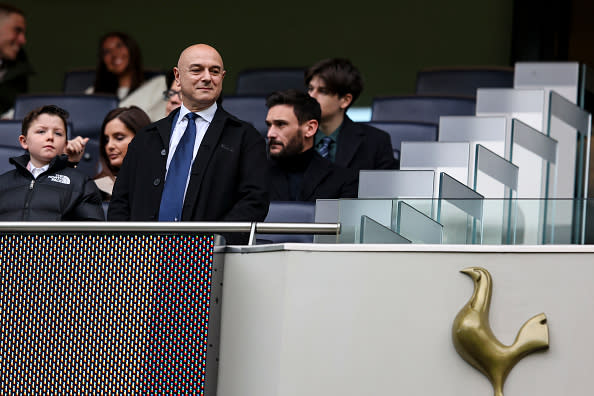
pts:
pixel 59 179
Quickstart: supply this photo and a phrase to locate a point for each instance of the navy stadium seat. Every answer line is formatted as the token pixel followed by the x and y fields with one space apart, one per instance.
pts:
pixel 248 108
pixel 463 80
pixel 10 130
pixel 405 131
pixel 288 212
pixel 267 80
pixel 86 111
pixel 421 108
pixel 5 153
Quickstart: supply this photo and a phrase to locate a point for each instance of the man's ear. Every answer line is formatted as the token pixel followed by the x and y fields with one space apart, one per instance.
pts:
pixel 23 142
pixel 345 101
pixel 311 127
pixel 176 74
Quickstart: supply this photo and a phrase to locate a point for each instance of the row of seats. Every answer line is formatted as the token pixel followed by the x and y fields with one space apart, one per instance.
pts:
pixel 405 108
pixel 404 118
pixel 462 81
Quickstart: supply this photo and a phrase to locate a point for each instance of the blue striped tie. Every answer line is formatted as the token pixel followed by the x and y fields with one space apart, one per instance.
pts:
pixel 172 200
pixel 324 149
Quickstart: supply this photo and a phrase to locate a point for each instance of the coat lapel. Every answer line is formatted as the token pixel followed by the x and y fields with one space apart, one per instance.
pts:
pixel 205 152
pixel 315 173
pixel 349 140
pixel 163 127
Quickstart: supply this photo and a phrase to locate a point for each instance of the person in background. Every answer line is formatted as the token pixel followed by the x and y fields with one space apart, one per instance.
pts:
pixel 45 186
pixel 118 129
pixel 172 94
pixel 336 84
pixel 120 72
pixel 15 68
pixel 298 172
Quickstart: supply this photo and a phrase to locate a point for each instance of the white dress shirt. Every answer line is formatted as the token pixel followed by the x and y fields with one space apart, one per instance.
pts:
pixel 202 123
pixel 36 171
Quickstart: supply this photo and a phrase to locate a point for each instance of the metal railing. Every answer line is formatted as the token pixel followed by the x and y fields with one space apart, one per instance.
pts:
pixel 185 227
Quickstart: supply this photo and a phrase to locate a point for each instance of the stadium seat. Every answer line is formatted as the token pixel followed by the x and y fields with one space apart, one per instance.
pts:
pixel 248 108
pixel 420 108
pixel 288 212
pixel 78 80
pixel 463 80
pixel 5 153
pixel 403 131
pixel 9 132
pixel 86 111
pixel 265 81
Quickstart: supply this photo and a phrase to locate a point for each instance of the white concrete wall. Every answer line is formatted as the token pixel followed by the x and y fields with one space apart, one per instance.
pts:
pixel 312 320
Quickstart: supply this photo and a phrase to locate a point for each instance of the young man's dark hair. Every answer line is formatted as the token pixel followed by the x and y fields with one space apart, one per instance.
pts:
pixel 339 75
pixel 304 106
pixel 48 109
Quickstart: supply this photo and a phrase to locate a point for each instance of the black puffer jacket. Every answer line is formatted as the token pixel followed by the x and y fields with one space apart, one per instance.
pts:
pixel 60 193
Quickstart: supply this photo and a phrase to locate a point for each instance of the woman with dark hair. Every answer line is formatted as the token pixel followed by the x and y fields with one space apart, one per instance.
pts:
pixel 120 72
pixel 119 128
pixel 119 67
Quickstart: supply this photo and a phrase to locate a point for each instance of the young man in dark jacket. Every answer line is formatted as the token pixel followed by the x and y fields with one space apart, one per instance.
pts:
pixel 44 186
pixel 336 83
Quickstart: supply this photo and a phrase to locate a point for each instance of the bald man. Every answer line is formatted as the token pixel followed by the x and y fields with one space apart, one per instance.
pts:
pixel 227 178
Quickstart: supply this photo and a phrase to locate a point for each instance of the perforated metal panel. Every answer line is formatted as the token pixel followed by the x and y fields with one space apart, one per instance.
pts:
pixel 108 314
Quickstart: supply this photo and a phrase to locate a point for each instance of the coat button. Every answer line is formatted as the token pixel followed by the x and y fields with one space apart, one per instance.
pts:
pixel 156 182
pixel 163 152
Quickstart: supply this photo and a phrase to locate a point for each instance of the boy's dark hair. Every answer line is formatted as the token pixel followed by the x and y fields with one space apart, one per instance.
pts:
pixel 47 109
pixel 7 9
pixel 339 74
pixel 304 106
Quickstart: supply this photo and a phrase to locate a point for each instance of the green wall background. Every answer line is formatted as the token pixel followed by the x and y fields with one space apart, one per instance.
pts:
pixel 389 41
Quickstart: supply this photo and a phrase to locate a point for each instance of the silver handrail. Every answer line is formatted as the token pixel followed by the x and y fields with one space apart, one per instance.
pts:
pixel 185 226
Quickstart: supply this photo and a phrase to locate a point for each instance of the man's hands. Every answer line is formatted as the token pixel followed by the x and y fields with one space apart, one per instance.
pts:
pixel 76 148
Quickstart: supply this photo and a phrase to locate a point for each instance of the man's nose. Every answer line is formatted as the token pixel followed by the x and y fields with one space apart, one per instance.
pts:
pixel 271 133
pixel 206 76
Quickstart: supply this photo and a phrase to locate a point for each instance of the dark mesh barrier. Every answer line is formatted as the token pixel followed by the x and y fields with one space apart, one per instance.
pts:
pixel 83 313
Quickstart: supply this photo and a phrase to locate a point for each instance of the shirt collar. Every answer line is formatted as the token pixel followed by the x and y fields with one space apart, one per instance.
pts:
pixel 36 171
pixel 320 135
pixel 207 114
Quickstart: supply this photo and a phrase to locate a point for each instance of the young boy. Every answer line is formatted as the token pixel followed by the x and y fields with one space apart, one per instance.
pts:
pixel 44 186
